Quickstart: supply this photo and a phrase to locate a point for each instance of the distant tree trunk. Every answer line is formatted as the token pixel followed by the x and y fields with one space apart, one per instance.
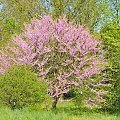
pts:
pixel 55 100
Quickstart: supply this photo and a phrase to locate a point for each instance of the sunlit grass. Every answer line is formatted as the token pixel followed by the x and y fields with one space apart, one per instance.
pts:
pixel 65 111
pixel 25 114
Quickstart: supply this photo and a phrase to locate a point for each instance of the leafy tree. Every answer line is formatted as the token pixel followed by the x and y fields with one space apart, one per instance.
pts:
pixel 14 13
pixel 92 13
pixel 22 9
pixel 58 7
pixel 116 10
pixel 8 28
pixel 111 38
pixel 81 12
pixel 20 87
pixel 60 53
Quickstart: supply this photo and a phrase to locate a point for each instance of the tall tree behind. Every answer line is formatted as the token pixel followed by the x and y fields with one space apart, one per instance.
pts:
pixel 58 7
pixel 115 6
pixel 80 11
pixel 111 38
pixel 15 12
pixel 92 13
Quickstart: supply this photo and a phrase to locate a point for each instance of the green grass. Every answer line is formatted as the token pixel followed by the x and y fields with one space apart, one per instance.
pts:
pixel 25 114
pixel 66 111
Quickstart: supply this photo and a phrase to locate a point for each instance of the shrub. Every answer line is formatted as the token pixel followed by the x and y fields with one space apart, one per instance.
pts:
pixel 20 87
pixel 111 39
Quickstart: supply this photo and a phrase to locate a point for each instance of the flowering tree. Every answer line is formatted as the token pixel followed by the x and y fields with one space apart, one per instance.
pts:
pixel 59 52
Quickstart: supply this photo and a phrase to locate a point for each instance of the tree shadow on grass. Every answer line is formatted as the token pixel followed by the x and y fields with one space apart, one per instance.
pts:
pixel 78 111
pixel 73 110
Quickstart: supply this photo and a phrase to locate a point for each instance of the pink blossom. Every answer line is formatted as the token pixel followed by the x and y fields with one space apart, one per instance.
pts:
pixel 58 48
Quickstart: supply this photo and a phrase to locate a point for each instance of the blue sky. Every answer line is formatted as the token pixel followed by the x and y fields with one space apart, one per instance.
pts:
pixel 1 6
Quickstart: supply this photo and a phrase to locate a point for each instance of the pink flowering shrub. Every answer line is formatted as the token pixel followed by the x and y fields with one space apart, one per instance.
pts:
pixel 61 53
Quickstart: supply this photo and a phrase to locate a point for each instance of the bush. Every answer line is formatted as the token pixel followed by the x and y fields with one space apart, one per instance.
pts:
pixel 19 87
pixel 111 39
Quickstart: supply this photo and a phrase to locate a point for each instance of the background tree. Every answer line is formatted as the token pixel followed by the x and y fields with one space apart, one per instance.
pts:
pixel 116 10
pixel 110 35
pixel 14 13
pixel 80 11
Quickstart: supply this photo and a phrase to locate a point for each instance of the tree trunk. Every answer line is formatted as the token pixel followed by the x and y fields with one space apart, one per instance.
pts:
pixel 55 100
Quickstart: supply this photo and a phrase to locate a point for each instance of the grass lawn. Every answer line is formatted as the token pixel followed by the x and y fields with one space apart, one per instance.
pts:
pixel 66 111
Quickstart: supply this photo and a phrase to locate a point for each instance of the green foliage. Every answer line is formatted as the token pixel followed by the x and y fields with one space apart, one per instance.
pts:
pixel 111 39
pixel 79 98
pixel 87 12
pixel 14 13
pixel 19 87
pixel 8 28
pixel 81 95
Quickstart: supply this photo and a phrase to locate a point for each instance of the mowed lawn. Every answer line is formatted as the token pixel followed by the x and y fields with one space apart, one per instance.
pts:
pixel 66 111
